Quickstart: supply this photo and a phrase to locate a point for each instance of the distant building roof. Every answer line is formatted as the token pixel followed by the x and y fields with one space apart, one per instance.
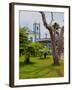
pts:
pixel 44 40
pixel 30 32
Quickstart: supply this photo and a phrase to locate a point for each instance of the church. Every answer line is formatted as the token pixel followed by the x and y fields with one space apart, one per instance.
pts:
pixel 35 36
pixel 37 32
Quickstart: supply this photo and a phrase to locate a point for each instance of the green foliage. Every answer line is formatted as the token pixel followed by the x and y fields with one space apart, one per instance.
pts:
pixel 28 51
pixel 27 58
pixel 29 48
pixel 44 50
pixel 23 39
pixel 35 47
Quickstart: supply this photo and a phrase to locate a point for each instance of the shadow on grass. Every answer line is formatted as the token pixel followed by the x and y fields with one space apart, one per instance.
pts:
pixel 55 64
pixel 21 64
pixel 36 73
pixel 54 67
pixel 36 70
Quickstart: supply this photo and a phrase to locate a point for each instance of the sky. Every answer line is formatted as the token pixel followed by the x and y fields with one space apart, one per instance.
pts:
pixel 28 18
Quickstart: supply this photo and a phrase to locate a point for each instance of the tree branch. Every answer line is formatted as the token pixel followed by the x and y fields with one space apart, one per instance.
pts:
pixel 62 31
pixel 45 22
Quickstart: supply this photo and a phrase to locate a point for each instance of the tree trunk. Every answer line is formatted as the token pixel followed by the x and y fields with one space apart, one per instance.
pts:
pixel 54 50
pixel 56 53
pixel 56 60
pixel 27 58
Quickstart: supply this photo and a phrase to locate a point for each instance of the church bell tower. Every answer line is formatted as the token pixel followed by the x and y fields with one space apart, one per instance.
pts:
pixel 36 28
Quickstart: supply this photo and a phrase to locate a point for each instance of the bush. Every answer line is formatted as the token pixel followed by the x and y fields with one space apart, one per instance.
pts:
pixel 35 47
pixel 44 52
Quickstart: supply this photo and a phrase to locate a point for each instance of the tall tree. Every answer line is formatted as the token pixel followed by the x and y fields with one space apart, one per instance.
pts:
pixel 23 40
pixel 56 37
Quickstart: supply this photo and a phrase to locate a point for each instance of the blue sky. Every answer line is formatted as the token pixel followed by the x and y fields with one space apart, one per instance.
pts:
pixel 28 18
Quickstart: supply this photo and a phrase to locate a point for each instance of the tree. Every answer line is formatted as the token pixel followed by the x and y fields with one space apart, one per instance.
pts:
pixel 35 47
pixel 27 55
pixel 32 49
pixel 23 40
pixel 56 37
pixel 44 52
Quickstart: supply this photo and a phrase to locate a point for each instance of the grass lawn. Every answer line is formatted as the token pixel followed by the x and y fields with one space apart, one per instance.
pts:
pixel 40 68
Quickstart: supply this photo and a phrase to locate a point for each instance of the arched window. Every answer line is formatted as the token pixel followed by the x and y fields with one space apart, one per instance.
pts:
pixel 37 27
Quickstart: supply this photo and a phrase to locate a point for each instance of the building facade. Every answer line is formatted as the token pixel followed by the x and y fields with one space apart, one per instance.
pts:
pixel 35 36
